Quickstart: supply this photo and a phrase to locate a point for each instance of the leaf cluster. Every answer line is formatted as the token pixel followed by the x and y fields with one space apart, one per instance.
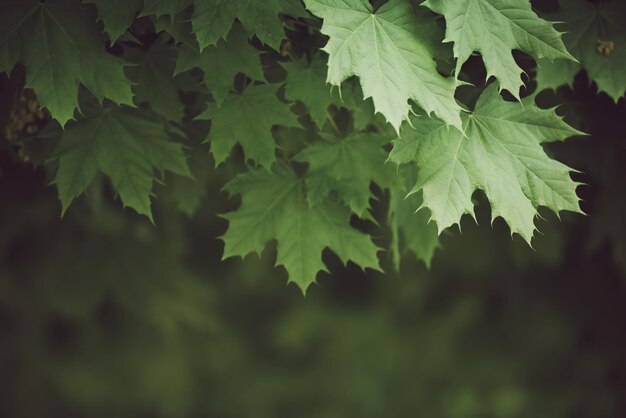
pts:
pixel 313 110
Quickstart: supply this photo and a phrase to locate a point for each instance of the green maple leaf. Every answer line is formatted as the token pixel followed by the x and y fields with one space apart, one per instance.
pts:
pixel 160 8
pixel 347 166
pixel 554 74
pixel 494 28
pixel 362 110
pixel 178 27
pixel 413 228
pixel 60 47
pixel 273 207
pixel 154 80
pixel 126 144
pixel 588 26
pixel 221 63
pixel 306 82
pixel 117 15
pixel 247 119
pixel 212 19
pixel 185 192
pixel 500 154
pixel 392 52
pixel 260 17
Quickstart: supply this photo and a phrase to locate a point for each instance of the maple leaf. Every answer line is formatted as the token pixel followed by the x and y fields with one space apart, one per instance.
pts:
pixel 178 27
pixel 153 74
pixel 392 52
pixel 168 8
pixel 260 17
pixel 187 193
pixel 306 82
pixel 362 110
pixel 554 74
pixel 494 28
pixel 117 15
pixel 247 119
pixel 60 47
pixel 413 228
pixel 501 154
pixel 595 34
pixel 221 63
pixel 124 143
pixel 347 166
pixel 212 19
pixel 273 206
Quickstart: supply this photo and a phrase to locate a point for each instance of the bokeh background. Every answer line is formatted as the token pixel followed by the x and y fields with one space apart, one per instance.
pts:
pixel 103 314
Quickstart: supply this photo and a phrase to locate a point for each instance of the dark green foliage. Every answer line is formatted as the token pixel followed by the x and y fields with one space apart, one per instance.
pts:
pixel 258 143
pixel 256 70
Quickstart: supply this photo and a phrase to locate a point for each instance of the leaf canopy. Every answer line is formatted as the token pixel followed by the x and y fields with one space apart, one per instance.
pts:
pixel 314 126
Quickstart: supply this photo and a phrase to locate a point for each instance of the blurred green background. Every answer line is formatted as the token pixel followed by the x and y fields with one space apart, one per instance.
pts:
pixel 104 315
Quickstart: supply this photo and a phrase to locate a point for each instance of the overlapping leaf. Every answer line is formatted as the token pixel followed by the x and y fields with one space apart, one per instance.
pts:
pixel 168 8
pixel 126 144
pixel 117 15
pixel 212 19
pixel 596 36
pixel 247 119
pixel 306 82
pixel 495 28
pixel 155 83
pixel 221 63
pixel 554 74
pixel 390 47
pixel 60 47
pixel 348 167
pixel 392 51
pixel 408 226
pixel 500 154
pixel 362 110
pixel 273 207
pixel 187 193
